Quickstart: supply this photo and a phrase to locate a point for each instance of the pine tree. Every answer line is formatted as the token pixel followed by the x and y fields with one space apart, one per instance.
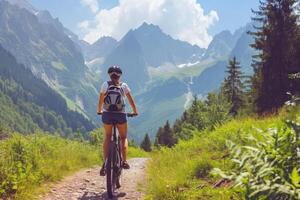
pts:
pixel 165 136
pixel 295 76
pixel 233 86
pixel 275 42
pixel 193 111
pixel 169 138
pixel 158 137
pixel 146 144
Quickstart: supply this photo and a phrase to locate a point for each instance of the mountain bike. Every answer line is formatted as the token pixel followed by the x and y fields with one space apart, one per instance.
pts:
pixel 113 163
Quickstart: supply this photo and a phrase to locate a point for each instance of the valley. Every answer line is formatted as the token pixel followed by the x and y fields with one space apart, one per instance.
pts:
pixel 157 67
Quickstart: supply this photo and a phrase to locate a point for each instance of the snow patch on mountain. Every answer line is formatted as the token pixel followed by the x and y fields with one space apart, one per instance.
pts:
pixel 188 64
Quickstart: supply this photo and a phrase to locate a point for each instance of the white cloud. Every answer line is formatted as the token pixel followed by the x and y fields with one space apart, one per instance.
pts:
pixel 182 19
pixel 92 4
pixel 84 24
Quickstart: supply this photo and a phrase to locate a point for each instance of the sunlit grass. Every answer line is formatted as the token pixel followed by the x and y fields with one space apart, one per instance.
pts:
pixel 183 172
pixel 28 164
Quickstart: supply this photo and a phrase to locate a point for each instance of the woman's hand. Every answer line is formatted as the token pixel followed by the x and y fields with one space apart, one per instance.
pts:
pixel 135 113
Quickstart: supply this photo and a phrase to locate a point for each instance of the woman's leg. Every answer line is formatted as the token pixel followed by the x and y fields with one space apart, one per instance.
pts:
pixel 108 133
pixel 122 128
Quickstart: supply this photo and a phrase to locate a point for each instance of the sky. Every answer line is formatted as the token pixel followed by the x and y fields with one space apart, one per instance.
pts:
pixel 194 21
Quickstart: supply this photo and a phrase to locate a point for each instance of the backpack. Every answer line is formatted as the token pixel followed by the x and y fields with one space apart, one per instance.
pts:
pixel 114 98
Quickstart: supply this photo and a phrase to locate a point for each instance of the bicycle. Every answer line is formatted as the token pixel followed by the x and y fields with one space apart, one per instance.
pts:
pixel 113 163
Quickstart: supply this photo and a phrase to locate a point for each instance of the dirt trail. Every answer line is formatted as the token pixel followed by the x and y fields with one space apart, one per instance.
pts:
pixel 88 185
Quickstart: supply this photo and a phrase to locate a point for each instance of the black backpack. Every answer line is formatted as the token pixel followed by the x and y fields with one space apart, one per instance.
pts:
pixel 114 98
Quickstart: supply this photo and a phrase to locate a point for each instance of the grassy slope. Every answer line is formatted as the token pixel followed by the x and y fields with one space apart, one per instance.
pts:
pixel 184 72
pixel 29 163
pixel 183 171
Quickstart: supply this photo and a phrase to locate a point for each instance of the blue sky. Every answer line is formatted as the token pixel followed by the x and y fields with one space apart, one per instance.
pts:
pixel 70 12
pixel 232 14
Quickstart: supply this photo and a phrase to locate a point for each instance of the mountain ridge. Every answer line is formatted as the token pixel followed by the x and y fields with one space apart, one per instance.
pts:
pixel 43 46
pixel 25 96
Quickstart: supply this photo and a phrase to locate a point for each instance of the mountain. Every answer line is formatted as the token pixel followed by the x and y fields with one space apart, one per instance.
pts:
pixel 43 16
pixel 210 79
pixel 159 48
pixel 222 44
pixel 100 49
pixel 243 51
pixel 147 46
pixel 165 96
pixel 96 53
pixel 40 46
pixel 40 43
pixel 22 4
pixel 230 45
pixel 28 103
pixel 128 54
pixel 223 47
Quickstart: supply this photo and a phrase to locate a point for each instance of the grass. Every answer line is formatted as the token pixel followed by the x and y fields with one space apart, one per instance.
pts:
pixel 28 164
pixel 183 172
pixel 135 152
pixel 182 73
pixel 58 65
pixel 70 103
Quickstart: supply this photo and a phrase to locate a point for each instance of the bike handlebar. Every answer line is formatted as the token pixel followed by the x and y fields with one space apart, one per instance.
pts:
pixel 131 114
pixel 127 114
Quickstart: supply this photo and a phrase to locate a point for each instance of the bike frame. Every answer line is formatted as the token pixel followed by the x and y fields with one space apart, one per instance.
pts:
pixel 113 163
pixel 116 142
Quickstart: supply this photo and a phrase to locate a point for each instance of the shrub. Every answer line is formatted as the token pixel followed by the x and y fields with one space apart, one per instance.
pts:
pixel 26 162
pixel 202 169
pixel 271 168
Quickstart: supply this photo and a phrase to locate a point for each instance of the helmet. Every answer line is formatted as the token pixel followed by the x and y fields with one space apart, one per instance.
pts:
pixel 114 69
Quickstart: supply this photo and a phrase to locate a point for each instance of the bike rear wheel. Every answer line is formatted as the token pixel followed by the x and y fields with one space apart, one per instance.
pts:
pixel 110 172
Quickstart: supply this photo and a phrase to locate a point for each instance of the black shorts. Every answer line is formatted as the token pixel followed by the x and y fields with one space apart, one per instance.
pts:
pixel 110 117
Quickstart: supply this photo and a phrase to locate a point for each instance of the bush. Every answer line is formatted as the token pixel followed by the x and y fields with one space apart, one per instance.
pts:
pixel 182 172
pixel 202 169
pixel 271 168
pixel 26 162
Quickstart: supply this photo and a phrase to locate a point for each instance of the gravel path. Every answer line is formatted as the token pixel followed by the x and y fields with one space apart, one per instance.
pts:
pixel 88 185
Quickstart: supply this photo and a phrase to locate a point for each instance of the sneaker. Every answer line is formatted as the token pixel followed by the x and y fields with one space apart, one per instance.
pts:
pixel 125 165
pixel 118 185
pixel 102 170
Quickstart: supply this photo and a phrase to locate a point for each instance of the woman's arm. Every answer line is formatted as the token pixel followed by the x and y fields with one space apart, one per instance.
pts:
pixel 131 102
pixel 101 101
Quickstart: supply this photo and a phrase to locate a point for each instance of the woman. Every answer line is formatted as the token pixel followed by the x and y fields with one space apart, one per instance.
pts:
pixel 112 108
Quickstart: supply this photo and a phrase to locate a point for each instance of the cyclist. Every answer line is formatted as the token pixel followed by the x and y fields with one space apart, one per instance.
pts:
pixel 112 108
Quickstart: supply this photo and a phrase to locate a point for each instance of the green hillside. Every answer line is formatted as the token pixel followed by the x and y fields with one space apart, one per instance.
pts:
pixel 184 172
pixel 42 44
pixel 28 103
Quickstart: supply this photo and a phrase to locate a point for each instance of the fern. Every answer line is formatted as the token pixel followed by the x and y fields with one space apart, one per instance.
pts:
pixel 269 169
